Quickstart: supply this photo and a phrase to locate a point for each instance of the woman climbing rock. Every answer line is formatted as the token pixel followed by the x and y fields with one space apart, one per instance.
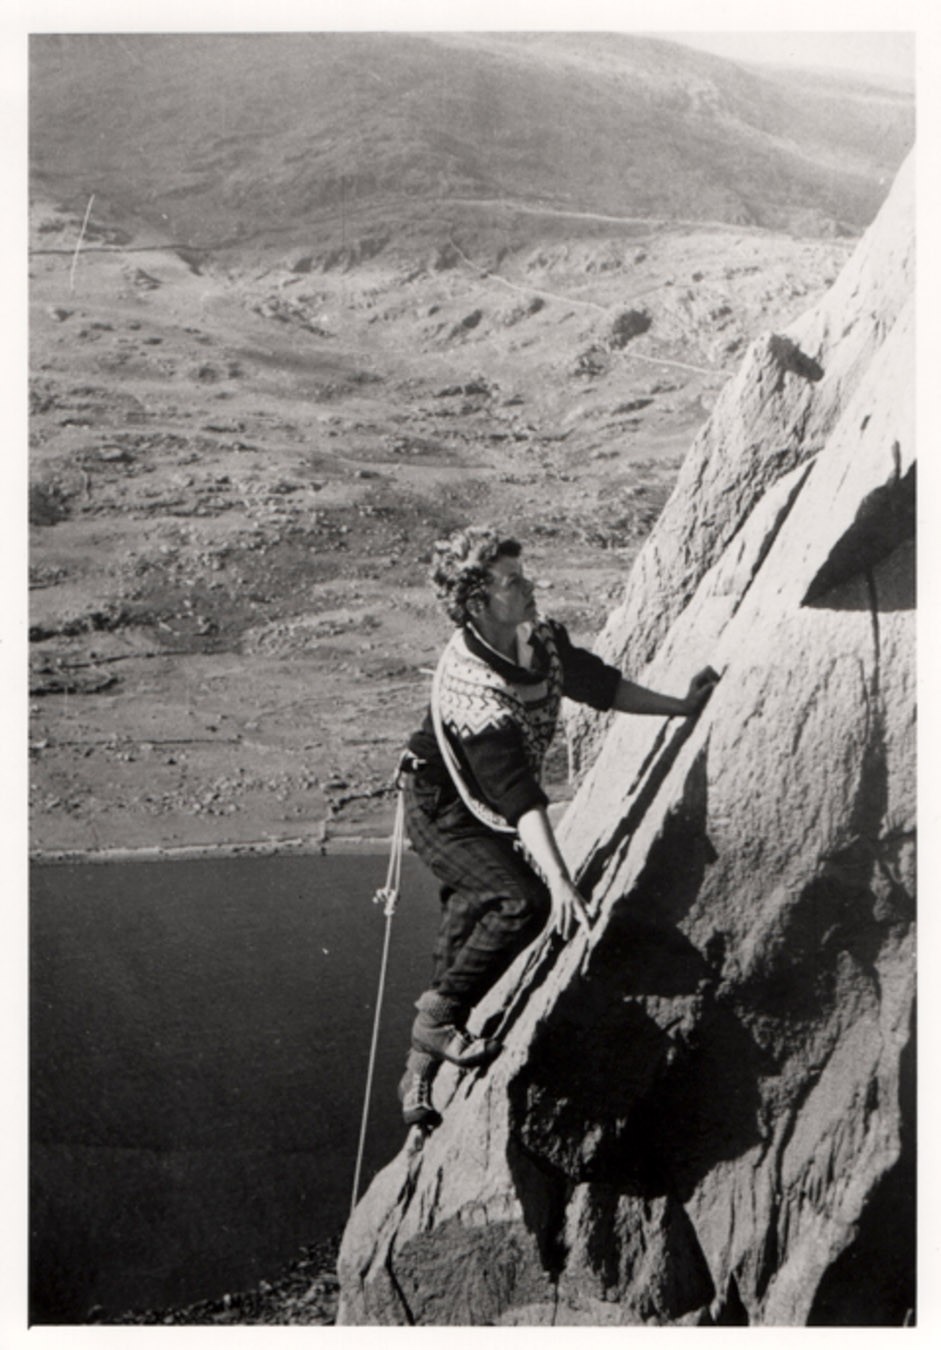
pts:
pixel 475 810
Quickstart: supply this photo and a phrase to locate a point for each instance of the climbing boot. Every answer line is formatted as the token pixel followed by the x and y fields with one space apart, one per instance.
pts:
pixel 438 1031
pixel 415 1096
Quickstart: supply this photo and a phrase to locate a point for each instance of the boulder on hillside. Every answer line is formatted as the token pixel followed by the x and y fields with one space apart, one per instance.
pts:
pixel 703 1113
pixel 627 324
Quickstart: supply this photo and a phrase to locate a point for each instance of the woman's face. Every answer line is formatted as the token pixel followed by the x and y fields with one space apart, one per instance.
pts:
pixel 510 593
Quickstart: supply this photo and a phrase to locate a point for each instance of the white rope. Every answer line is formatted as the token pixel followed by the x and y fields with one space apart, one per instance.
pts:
pixel 476 808
pixel 387 895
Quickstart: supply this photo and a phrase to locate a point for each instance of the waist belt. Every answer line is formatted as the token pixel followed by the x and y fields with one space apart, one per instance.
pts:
pixel 409 764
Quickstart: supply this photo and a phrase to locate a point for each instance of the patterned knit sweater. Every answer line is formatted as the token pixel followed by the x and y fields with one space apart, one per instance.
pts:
pixel 499 717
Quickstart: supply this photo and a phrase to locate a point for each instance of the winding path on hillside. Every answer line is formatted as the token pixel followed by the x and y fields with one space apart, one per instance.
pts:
pixel 489 275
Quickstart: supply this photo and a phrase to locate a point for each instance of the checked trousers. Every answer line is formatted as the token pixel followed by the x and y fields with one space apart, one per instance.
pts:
pixel 493 903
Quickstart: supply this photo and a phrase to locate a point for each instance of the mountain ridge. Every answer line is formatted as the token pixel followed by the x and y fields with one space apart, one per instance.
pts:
pixel 210 133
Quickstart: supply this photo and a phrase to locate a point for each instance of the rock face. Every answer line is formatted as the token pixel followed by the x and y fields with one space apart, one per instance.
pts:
pixel 703 1113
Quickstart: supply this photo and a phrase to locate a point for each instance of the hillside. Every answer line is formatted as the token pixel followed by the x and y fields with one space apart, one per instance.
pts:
pixel 337 293
pixel 301 138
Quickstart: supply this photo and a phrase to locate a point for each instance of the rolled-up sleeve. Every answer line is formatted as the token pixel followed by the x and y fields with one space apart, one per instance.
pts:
pixel 586 678
pixel 497 763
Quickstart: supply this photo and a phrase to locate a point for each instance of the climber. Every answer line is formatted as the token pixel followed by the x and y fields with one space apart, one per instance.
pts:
pixel 475 812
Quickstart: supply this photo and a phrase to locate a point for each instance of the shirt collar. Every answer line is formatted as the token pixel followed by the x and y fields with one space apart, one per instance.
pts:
pixel 529 670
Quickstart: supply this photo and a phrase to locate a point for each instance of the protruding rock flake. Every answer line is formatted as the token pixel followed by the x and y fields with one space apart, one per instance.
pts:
pixel 704 1110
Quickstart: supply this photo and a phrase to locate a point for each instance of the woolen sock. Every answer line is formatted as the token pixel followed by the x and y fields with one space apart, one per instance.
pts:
pixel 421 1064
pixel 440 1008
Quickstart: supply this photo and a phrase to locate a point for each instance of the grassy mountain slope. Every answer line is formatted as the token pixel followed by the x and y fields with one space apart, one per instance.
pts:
pixel 212 136
pixel 469 276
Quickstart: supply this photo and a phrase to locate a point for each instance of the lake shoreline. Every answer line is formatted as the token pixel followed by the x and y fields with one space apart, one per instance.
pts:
pixel 321 846
pixel 354 844
pixel 305 1293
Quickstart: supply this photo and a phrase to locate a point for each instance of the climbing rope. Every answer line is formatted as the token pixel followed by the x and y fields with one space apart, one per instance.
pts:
pixel 479 809
pixel 387 896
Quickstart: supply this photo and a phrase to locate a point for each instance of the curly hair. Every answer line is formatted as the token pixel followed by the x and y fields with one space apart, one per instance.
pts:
pixel 461 567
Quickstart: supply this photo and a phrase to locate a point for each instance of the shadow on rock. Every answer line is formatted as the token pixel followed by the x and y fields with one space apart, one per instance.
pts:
pixel 876 549
pixel 645 1084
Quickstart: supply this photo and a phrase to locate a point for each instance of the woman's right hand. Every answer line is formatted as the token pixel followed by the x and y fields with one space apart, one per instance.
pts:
pixel 700 689
pixel 568 909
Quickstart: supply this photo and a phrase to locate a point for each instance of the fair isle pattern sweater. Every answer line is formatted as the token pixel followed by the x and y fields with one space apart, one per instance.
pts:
pixel 499 717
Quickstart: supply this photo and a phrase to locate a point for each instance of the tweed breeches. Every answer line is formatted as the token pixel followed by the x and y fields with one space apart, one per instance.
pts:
pixel 493 903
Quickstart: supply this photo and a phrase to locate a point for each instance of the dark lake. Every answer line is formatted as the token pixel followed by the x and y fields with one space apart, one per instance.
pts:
pixel 199 1040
